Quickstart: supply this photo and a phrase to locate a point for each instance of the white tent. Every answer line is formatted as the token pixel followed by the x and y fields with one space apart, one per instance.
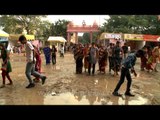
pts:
pixel 56 39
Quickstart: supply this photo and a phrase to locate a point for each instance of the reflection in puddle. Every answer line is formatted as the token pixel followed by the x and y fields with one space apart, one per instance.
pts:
pixel 138 101
pixel 68 99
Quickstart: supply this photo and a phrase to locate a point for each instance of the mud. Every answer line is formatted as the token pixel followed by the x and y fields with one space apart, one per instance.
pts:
pixel 64 87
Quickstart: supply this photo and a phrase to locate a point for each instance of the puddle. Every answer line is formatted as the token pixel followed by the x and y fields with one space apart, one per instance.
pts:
pixel 2 102
pixel 69 99
pixel 57 67
pixel 138 101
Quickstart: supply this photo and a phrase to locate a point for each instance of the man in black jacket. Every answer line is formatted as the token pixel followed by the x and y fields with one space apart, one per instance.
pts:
pixel 127 64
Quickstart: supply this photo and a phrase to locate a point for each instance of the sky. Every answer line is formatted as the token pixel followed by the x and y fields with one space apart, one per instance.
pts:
pixel 78 19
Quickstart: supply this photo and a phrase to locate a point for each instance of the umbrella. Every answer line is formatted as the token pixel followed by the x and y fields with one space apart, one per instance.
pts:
pixel 56 39
pixel 3 34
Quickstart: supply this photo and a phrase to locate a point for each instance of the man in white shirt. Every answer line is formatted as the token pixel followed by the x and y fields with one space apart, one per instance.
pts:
pixel 30 66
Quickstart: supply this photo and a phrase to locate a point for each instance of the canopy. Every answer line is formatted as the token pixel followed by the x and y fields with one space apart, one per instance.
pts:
pixel 16 37
pixel 3 34
pixel 56 39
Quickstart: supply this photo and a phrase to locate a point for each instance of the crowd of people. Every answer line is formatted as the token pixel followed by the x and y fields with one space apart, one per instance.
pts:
pixel 89 55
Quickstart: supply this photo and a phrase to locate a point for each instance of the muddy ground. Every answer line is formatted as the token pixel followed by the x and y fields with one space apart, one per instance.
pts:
pixel 64 87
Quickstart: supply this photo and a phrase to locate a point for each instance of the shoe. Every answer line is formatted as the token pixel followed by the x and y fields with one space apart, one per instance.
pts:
pixel 116 94
pixel 35 80
pixel 129 94
pixel 30 85
pixel 43 79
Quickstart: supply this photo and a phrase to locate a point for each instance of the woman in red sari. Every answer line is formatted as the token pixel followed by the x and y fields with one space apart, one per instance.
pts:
pixel 38 62
pixel 102 59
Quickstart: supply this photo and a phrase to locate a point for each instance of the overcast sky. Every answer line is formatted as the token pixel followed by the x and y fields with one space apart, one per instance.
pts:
pixel 77 19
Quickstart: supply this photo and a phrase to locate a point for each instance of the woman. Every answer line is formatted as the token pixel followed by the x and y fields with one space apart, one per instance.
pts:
pixel 79 59
pixel 85 52
pixel 53 51
pixel 38 62
pixel 102 59
pixel 6 65
pixel 47 53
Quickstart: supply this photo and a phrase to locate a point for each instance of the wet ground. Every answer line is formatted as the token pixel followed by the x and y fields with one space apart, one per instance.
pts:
pixel 64 87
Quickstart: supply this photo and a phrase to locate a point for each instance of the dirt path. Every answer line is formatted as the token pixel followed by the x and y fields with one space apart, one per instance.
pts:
pixel 64 87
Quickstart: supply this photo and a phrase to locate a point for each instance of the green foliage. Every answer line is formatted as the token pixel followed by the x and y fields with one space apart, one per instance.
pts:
pixel 133 24
pixel 59 28
pixel 86 37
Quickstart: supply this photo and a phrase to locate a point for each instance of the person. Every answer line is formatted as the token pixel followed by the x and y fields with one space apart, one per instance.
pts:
pixel 150 59
pixel 127 64
pixel 79 59
pixel 30 66
pixel 85 53
pixel 6 65
pixel 93 56
pixel 143 58
pixel 102 60
pixel 125 50
pixel 62 50
pixel 156 55
pixel 117 57
pixel 38 62
pixel 47 53
pixel 53 51
pixel 110 58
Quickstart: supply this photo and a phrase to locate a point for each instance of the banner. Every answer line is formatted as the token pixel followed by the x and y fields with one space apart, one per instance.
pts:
pixel 113 36
pixel 133 37
pixel 154 38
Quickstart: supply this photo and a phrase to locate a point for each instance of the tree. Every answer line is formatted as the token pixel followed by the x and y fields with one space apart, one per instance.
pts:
pixel 15 24
pixel 133 24
pixel 86 37
pixel 44 30
pixel 59 28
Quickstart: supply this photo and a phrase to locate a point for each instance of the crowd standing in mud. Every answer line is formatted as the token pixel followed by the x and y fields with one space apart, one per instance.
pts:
pixel 118 58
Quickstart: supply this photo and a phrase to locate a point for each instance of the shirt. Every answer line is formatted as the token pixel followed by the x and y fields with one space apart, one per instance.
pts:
pixel 29 51
pixel 130 61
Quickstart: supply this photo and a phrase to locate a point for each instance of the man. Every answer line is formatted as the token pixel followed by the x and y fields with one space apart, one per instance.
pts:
pixel 93 56
pixel 125 50
pixel 127 63
pixel 30 66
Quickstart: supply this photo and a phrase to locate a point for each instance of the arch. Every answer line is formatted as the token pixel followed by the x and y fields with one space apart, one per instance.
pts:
pixel 71 28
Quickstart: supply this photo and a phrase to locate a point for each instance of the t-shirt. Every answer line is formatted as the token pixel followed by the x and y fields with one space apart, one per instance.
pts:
pixel 29 51
pixel 130 61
